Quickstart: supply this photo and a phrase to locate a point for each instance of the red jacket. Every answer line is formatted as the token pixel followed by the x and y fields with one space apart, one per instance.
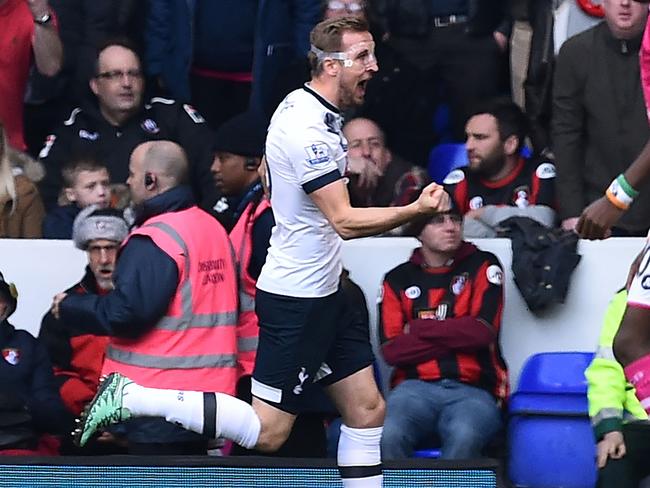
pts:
pixel 444 322
pixel 76 355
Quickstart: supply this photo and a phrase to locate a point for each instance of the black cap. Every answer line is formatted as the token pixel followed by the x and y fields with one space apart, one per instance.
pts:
pixel 243 135
pixel 9 293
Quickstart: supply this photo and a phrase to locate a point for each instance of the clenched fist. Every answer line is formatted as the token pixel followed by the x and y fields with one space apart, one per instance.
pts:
pixel 433 199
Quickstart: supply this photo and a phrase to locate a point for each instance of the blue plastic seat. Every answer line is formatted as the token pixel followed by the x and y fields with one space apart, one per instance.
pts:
pixel 555 372
pixel 550 438
pixel 444 158
pixel 431 453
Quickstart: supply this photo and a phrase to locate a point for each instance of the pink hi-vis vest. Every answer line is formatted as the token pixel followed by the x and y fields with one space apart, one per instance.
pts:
pixel 194 345
pixel 644 62
pixel 241 237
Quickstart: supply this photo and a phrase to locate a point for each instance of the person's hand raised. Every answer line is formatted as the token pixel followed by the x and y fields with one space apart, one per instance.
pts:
pixel 433 199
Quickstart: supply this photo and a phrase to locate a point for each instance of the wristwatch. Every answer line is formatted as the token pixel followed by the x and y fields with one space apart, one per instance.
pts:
pixel 43 19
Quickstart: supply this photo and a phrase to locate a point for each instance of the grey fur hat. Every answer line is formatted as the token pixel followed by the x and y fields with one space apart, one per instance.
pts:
pixel 98 223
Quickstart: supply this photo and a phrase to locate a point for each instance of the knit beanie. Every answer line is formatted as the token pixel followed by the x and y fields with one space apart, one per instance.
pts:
pixel 243 135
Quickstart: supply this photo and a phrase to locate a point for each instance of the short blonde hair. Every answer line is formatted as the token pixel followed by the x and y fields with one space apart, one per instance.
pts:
pixel 327 36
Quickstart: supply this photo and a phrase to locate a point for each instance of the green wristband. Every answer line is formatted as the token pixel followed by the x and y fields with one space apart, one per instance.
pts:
pixel 626 187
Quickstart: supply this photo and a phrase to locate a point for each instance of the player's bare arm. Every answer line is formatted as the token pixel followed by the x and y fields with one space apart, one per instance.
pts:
pixel 350 222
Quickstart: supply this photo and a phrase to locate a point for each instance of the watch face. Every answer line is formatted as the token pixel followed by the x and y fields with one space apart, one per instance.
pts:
pixel 44 19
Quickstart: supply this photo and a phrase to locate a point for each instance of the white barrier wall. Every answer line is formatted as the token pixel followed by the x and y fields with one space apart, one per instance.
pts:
pixel 42 268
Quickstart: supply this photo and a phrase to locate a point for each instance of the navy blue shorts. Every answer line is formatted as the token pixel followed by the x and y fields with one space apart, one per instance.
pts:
pixel 306 340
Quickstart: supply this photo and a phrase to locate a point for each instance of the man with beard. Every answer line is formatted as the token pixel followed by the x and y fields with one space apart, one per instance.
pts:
pixel 77 354
pixel 308 331
pixel 499 182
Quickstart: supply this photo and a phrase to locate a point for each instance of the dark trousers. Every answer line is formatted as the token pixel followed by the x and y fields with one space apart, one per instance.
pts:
pixel 628 471
pixel 219 100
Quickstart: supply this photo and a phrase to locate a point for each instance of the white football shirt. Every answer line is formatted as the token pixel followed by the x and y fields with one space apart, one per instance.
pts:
pixel 305 150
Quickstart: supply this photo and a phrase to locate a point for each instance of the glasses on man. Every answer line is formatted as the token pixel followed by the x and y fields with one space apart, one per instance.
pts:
pixel 352 7
pixel 116 74
pixel 441 218
pixel 361 54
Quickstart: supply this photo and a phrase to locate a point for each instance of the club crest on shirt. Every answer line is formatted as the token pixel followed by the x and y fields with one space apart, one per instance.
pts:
pixel 494 274
pixel 150 126
pixel 475 202
pixel 545 171
pixel 457 284
pixel 333 123
pixel 11 355
pixel 317 153
pixel 412 292
pixel 89 136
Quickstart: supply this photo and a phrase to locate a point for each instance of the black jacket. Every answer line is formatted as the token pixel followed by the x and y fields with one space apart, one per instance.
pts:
pixel 599 123
pixel 26 376
pixel 86 133
pixel 413 18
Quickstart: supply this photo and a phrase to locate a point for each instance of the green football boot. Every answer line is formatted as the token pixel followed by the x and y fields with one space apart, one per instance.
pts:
pixel 105 409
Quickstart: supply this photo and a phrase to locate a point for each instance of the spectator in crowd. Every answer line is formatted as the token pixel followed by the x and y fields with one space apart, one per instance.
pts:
pixel 499 182
pixel 29 400
pixel 599 120
pixel 28 32
pixel 21 208
pixel 378 178
pixel 239 146
pixel 598 217
pixel 85 182
pixel 613 408
pixel 225 54
pixel 190 313
pixel 440 320
pixel 538 63
pixel 76 354
pixel 109 128
pixel 435 53
pixel 83 25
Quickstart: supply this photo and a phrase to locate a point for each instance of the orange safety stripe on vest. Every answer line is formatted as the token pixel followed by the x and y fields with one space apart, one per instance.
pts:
pixel 194 345
pixel 241 237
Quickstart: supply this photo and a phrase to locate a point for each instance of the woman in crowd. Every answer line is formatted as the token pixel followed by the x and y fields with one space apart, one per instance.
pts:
pixel 21 208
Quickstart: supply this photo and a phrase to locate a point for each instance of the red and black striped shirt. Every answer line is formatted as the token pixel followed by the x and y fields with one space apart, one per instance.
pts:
pixel 529 183
pixel 444 322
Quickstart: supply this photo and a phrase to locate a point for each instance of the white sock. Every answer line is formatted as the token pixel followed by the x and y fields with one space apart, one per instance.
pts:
pixel 359 457
pixel 236 420
pixel 228 417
